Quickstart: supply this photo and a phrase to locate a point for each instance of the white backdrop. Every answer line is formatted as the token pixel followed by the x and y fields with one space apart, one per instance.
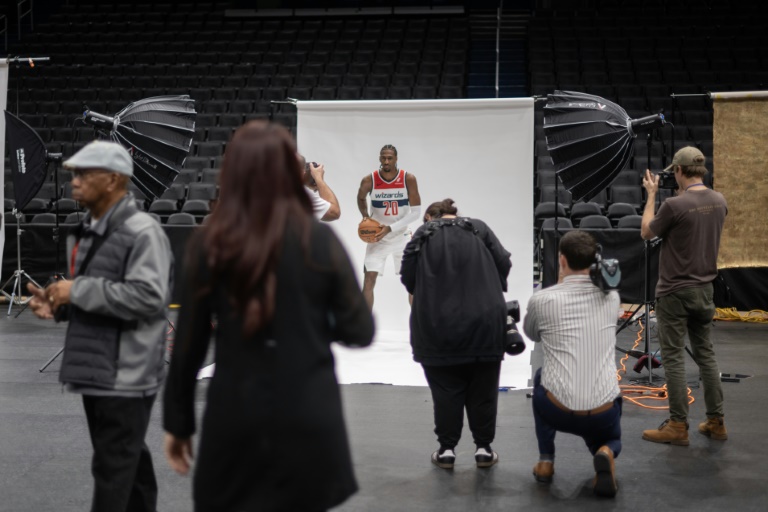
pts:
pixel 478 152
pixel 3 105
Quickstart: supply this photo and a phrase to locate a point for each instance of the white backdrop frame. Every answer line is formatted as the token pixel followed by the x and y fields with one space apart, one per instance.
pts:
pixel 479 152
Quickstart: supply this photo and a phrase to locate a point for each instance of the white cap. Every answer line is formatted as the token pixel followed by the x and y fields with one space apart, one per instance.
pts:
pixel 102 154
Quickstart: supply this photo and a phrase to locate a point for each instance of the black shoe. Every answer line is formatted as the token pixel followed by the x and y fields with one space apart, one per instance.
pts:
pixel 605 473
pixel 444 458
pixel 485 457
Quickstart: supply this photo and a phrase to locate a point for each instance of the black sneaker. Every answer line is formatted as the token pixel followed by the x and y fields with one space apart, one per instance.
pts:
pixel 444 458
pixel 485 457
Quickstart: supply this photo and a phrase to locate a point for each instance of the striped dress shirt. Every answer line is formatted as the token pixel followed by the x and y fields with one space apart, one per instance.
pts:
pixel 575 322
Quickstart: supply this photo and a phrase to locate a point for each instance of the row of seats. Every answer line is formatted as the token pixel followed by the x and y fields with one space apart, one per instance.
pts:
pixel 212 15
pixel 650 77
pixel 544 214
pixel 281 39
pixel 57 75
pixel 414 52
pixel 227 85
pixel 259 103
pixel 595 222
pixel 315 64
pixel 670 63
pixel 68 209
pixel 48 219
pixel 262 40
pixel 185 189
pixel 631 194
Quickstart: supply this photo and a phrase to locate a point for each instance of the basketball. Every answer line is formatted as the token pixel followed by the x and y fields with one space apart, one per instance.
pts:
pixel 368 229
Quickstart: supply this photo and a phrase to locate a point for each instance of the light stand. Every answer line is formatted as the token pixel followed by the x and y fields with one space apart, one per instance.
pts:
pixel 19 273
pixel 648 304
pixel 54 158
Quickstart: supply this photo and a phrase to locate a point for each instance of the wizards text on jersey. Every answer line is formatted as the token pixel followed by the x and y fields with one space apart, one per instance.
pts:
pixel 389 199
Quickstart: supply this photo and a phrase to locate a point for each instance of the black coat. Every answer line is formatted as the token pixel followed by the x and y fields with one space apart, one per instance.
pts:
pixel 457 271
pixel 273 434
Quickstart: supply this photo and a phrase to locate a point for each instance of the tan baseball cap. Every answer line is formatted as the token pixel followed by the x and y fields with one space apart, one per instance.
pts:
pixel 102 154
pixel 688 155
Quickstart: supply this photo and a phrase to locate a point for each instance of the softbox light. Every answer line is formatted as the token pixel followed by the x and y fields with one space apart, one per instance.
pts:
pixel 590 140
pixel 28 157
pixel 157 132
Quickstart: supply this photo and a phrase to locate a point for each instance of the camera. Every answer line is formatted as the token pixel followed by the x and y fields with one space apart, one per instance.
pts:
pixel 514 344
pixel 605 273
pixel 667 180
pixel 308 172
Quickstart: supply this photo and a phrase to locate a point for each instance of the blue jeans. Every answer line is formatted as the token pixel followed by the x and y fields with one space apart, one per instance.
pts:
pixel 603 429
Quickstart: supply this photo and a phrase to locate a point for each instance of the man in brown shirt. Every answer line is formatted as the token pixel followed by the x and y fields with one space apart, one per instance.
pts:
pixel 690 225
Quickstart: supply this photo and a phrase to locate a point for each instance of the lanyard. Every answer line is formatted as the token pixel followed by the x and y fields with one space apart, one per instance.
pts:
pixel 72 260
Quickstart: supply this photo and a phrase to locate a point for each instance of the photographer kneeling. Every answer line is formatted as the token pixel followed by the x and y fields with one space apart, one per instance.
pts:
pixel 457 270
pixel 576 390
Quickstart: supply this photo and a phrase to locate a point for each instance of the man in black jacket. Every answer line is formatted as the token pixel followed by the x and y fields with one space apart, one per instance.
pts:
pixel 457 271
pixel 120 268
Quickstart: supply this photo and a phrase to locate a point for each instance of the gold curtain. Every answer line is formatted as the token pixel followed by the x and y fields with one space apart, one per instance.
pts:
pixel 740 137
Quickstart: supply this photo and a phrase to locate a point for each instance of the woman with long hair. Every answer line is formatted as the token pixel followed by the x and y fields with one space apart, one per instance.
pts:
pixel 280 288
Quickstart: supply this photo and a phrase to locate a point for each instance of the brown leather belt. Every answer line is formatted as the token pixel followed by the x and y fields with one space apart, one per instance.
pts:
pixel 596 410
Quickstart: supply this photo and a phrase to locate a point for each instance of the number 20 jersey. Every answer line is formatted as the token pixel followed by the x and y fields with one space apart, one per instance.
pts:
pixel 389 200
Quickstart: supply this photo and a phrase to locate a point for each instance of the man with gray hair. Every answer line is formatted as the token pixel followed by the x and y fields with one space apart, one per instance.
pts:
pixel 120 265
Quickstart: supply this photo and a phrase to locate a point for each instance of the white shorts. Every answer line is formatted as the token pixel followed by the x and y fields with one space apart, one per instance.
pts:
pixel 376 254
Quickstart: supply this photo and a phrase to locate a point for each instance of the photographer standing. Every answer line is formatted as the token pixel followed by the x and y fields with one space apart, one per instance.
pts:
pixel 690 225
pixel 457 270
pixel 576 390
pixel 324 203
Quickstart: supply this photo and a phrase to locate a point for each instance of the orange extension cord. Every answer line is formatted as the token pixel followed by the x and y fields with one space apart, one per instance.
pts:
pixel 636 394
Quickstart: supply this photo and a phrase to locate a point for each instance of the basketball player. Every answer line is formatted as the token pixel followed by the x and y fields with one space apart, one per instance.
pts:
pixel 395 203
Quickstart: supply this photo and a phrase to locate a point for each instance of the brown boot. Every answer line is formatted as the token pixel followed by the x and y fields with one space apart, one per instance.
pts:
pixel 714 428
pixel 543 471
pixel 605 473
pixel 673 432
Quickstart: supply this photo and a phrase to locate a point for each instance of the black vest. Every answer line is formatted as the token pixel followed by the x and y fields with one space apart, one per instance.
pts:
pixel 92 345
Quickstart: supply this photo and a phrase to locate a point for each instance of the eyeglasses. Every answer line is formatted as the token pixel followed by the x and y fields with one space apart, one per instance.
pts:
pixel 84 173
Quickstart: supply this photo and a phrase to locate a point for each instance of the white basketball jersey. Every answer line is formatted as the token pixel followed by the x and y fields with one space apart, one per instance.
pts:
pixel 389 200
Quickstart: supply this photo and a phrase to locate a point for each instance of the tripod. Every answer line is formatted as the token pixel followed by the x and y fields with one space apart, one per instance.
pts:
pixel 19 273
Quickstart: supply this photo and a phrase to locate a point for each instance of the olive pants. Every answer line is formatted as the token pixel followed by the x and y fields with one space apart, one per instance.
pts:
pixel 690 311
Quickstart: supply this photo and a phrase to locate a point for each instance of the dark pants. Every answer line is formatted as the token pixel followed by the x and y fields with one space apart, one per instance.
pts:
pixel 472 386
pixel 603 429
pixel 124 478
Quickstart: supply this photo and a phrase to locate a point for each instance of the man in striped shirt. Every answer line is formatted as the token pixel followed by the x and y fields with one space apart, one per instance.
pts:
pixel 576 390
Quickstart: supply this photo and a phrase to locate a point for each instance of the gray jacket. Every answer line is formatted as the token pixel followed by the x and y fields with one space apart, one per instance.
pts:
pixel 121 288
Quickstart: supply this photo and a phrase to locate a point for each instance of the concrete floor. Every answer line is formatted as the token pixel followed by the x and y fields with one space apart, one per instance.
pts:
pixel 45 450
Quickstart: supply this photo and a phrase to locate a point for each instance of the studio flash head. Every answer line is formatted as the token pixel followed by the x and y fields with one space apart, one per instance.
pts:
pixel 605 273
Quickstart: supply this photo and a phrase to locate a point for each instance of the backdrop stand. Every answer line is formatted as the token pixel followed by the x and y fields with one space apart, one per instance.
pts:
pixel 18 60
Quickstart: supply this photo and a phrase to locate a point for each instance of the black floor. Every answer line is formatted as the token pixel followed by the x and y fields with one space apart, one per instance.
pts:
pixel 44 446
